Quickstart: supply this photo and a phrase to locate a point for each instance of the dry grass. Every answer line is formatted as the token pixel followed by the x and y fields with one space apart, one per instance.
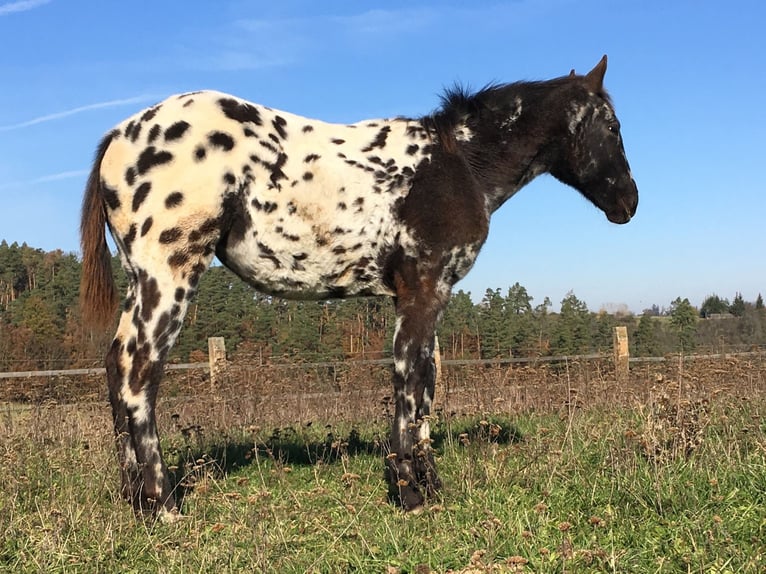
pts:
pixel 546 470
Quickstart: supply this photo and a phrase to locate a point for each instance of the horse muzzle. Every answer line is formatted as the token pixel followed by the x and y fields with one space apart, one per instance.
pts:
pixel 626 206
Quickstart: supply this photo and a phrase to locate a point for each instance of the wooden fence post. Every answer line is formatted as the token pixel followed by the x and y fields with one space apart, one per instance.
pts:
pixel 621 353
pixel 216 349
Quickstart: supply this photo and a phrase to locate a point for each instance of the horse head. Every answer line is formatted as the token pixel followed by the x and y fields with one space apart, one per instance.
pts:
pixel 593 158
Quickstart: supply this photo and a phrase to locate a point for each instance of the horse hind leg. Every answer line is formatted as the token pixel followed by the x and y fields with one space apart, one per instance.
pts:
pixel 115 375
pixel 147 330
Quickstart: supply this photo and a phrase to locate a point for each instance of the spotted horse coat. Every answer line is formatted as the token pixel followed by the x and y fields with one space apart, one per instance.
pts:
pixel 306 209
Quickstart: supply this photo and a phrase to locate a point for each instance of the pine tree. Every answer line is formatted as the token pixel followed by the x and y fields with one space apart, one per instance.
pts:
pixel 572 332
pixel 542 326
pixel 683 318
pixel 518 308
pixel 645 338
pixel 492 326
pixel 737 305
pixel 713 305
pixel 458 329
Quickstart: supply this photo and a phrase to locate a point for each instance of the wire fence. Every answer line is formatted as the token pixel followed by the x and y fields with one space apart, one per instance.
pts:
pixel 292 362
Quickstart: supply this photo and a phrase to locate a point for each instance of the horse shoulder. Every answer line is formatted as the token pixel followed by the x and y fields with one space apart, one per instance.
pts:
pixel 445 206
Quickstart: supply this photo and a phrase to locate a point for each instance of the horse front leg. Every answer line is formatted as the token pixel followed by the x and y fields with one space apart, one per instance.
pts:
pixel 411 468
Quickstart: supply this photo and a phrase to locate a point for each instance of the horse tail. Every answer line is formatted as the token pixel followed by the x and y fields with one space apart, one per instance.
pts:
pixel 98 294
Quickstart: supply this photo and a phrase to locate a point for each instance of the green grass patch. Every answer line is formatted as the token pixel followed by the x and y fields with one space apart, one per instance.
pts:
pixel 588 491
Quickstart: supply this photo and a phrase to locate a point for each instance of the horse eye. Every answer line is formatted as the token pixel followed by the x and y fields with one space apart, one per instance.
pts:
pixel 614 127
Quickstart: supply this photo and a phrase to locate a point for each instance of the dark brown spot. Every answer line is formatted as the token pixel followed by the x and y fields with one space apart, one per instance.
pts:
pixel 197 271
pixel 170 235
pixel 154 133
pixel 268 253
pixel 308 176
pixel 129 130
pixel 337 141
pixel 229 178
pixel 412 149
pixel 176 131
pixel 178 259
pixel 150 158
pixel 269 146
pixel 140 195
pixel 147 225
pixel 380 139
pixel 221 140
pixel 276 169
pixel 199 153
pixel 110 196
pixel 150 113
pixel 136 132
pixel 129 238
pixel 236 220
pixel 174 199
pixel 130 176
pixel 150 295
pixel 279 124
pixel 179 295
pixel 311 157
pixel 209 226
pixel 240 111
pixel 306 129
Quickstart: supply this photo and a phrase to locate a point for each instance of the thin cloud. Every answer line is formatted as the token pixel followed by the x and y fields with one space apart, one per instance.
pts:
pixel 21 6
pixel 255 43
pixel 78 110
pixel 46 179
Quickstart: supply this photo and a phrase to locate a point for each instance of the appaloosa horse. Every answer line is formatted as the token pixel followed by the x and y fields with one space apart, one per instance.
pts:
pixel 304 209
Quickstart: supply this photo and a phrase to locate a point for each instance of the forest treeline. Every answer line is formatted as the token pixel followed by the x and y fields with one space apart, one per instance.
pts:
pixel 40 325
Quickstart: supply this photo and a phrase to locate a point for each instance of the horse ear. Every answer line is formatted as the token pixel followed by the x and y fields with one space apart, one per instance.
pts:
pixel 595 78
pixel 572 73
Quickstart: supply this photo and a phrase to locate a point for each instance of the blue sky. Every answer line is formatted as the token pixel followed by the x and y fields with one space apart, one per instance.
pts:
pixel 688 79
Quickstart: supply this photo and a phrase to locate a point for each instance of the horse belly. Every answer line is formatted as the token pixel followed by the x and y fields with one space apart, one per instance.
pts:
pixel 317 262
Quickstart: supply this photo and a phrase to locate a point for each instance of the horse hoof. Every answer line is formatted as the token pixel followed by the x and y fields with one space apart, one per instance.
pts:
pixel 171 516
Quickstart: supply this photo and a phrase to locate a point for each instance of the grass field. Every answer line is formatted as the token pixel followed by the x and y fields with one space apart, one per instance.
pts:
pixel 670 479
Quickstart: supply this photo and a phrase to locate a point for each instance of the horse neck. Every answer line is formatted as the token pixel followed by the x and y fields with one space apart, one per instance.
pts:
pixel 506 153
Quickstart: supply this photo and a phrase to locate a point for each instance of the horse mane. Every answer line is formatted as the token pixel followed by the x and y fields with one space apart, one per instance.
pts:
pixel 459 102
